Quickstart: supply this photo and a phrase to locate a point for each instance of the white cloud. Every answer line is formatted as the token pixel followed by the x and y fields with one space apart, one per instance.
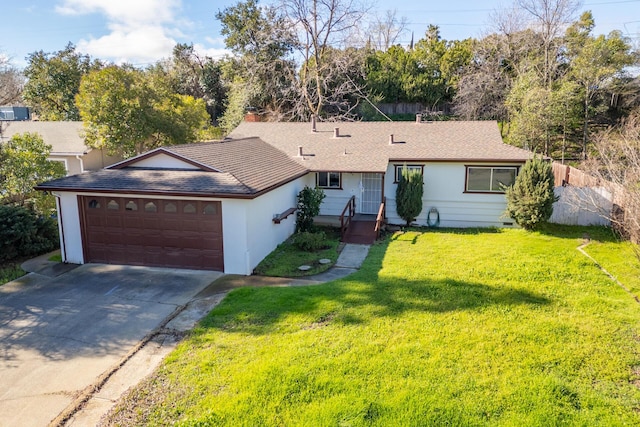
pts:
pixel 212 52
pixel 140 46
pixel 141 31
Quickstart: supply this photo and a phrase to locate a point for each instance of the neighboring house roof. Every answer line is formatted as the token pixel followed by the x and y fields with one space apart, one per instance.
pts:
pixel 365 147
pixel 65 138
pixel 246 167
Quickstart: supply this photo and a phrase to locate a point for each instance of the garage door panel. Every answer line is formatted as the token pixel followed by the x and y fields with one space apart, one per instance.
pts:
pixel 153 232
pixel 132 220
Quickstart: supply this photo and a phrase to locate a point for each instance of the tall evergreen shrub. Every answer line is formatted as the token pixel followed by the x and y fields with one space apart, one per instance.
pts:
pixel 409 194
pixel 530 199
pixel 309 201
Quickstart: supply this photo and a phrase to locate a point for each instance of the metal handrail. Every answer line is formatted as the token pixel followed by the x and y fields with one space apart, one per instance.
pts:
pixel 382 214
pixel 351 207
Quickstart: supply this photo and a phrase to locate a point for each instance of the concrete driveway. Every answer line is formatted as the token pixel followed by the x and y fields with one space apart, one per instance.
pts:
pixel 59 334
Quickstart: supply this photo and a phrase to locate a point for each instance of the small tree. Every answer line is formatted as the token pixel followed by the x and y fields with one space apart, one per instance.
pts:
pixel 409 194
pixel 530 199
pixel 309 201
pixel 23 164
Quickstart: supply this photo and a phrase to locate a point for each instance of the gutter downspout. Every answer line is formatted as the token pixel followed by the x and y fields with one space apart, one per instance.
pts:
pixel 79 157
pixel 63 246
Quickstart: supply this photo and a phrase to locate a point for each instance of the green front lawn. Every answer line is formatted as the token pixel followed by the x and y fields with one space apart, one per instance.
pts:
pixel 477 327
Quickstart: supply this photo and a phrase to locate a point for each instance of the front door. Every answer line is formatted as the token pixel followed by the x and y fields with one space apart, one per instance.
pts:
pixel 371 186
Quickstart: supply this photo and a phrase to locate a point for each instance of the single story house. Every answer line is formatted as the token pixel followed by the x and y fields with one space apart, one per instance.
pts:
pixel 225 205
pixel 67 144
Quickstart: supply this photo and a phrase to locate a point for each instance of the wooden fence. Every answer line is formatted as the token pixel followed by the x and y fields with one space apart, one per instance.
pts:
pixel 567 175
pixel 582 198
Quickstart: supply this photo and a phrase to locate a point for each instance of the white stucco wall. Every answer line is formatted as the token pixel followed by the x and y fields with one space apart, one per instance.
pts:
pixel 249 234
pixel 444 185
pixel 263 234
pixel 69 221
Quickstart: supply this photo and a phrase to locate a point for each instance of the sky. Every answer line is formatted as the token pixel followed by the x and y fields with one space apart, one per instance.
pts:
pixel 141 32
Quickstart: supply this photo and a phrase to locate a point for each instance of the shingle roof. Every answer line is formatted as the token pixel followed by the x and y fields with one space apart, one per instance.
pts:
pixel 64 137
pixel 246 167
pixel 364 146
pixel 251 161
pixel 150 181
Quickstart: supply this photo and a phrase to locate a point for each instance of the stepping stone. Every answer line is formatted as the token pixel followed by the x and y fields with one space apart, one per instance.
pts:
pixel 325 261
pixel 304 268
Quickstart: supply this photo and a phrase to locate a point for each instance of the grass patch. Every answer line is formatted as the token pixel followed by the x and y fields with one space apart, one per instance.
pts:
pixel 447 327
pixel 55 258
pixel 286 258
pixel 10 272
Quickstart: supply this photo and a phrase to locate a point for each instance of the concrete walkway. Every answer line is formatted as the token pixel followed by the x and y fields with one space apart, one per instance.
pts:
pixel 148 355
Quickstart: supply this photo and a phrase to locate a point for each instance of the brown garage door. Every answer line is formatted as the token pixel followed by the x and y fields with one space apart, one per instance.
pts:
pixel 152 232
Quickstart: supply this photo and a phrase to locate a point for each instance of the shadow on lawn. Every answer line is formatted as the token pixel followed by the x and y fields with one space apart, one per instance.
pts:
pixel 363 296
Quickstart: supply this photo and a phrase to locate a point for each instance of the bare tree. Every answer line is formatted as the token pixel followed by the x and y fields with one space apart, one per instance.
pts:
pixel 11 82
pixel 617 165
pixel 323 26
pixel 549 18
pixel 383 31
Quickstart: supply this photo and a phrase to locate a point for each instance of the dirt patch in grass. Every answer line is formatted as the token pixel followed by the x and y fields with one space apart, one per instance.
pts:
pixel 233 281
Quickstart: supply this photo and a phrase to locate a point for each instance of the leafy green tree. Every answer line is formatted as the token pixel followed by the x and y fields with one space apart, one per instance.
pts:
pixel 200 77
pixel 309 201
pixel 24 164
pixel 594 62
pixel 53 80
pixel 428 73
pixel 530 199
pixel 409 195
pixel 528 103
pixel 127 111
pixel 262 75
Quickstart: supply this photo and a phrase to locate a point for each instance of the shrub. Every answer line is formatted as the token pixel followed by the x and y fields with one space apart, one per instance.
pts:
pixel 307 241
pixel 409 195
pixel 530 199
pixel 309 201
pixel 23 233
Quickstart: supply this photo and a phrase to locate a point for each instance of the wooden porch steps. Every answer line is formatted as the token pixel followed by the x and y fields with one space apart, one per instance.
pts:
pixel 361 232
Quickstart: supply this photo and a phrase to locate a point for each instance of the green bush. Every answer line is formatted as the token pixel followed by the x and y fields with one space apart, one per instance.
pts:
pixel 24 233
pixel 530 199
pixel 307 241
pixel 309 201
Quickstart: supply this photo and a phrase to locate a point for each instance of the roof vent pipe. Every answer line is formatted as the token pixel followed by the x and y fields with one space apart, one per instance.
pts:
pixel 300 151
pixel 313 123
pixel 336 132
pixel 391 141
pixel 418 118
